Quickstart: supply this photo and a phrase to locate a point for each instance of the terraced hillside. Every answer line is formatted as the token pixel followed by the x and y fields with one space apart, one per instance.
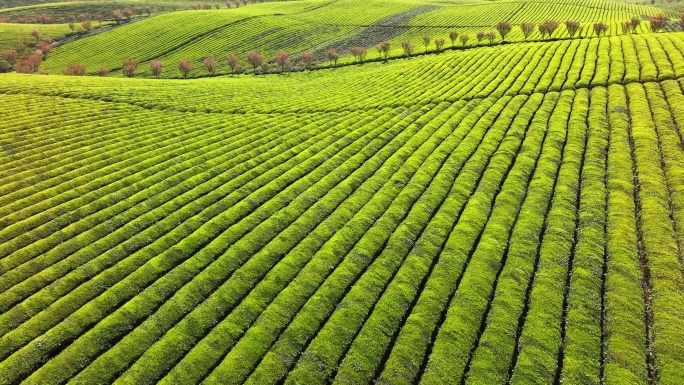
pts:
pixel 508 214
pixel 317 26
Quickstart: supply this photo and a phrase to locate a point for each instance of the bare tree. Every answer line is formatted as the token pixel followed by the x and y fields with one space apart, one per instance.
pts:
pixel 527 29
pixel 453 35
pixel 503 27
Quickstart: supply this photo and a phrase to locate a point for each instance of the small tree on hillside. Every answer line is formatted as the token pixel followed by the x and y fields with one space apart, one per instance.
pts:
pixel 255 60
pixel 44 18
pixel 359 53
pixel 102 71
pixel 309 59
pixel 86 26
pixel 527 29
pixel 30 63
pixel 636 21
pixel 548 27
pixel 217 6
pixel 384 49
pixel 10 56
pixel 265 67
pixel 228 4
pixel 407 47
pixel 681 21
pixel 129 67
pixel 72 26
pixel 36 34
pixel 503 27
pixel 118 17
pixel 74 69
pixel 600 28
pixel 233 62
pixel 185 66
pixel 332 56
pixel 480 35
pixel 283 60
pixel 128 13
pixel 491 36
pixel 658 22
pixel 439 44
pixel 464 39
pixel 626 27
pixel 572 26
pixel 156 67
pixel 210 64
pixel 426 42
pixel 453 35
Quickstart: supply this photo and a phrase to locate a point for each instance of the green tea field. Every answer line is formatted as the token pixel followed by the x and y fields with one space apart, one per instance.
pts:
pixel 508 210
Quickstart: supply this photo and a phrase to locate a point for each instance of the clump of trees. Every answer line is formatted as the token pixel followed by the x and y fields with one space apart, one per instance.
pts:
pixel 129 67
pixel 30 63
pixel 75 69
pixel 185 66
pixel 491 36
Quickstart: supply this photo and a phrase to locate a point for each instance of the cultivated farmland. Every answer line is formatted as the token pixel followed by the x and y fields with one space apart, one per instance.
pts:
pixel 499 212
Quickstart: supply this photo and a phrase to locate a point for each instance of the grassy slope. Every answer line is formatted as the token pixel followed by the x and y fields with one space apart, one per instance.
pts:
pixel 324 24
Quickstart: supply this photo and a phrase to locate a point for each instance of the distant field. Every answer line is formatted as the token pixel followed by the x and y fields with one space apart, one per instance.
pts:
pixel 505 214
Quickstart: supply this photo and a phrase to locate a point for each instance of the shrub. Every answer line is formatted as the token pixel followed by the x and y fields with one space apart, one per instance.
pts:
pixel 480 35
pixel 10 56
pixel 185 66
pixel 102 71
pixel 86 25
pixel 626 26
pixel 636 21
pixel 211 64
pixel 130 66
pixel 600 28
pixel 407 47
pixel 74 69
pixel 503 27
pixel 217 6
pixel 45 19
pixel 453 35
pixel 527 29
pixel 439 44
pixel 156 67
pixel 264 67
pixel 30 63
pixel 309 59
pixel 332 56
pixel 658 22
pixel 36 34
pixel 426 42
pixel 572 27
pixel 44 46
pixel 283 60
pixel 255 60
pixel 358 52
pixel 72 26
pixel 464 39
